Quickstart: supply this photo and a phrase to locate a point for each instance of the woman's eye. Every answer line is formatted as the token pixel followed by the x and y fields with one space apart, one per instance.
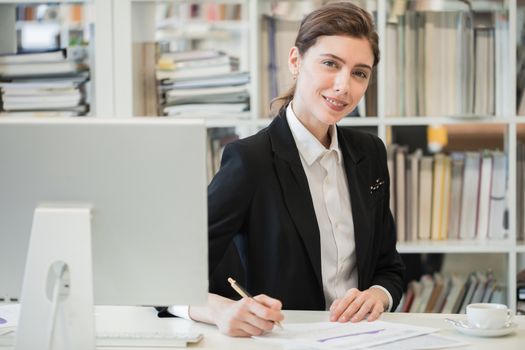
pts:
pixel 361 74
pixel 330 64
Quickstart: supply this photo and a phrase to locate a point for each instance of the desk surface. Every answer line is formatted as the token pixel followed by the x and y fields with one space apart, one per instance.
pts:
pixel 136 319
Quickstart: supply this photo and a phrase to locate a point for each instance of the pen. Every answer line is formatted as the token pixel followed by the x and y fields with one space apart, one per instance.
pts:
pixel 243 293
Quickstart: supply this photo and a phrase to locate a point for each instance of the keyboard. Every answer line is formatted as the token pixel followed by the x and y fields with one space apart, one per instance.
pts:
pixel 147 339
pixel 131 339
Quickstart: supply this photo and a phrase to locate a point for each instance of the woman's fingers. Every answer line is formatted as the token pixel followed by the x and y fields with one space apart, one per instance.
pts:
pixel 363 310
pixel 251 329
pixel 334 305
pixel 376 312
pixel 356 305
pixel 343 304
pixel 259 315
pixel 272 303
pixel 353 308
pixel 250 316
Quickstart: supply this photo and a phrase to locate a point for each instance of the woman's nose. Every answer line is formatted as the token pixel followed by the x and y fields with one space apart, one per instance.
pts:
pixel 342 83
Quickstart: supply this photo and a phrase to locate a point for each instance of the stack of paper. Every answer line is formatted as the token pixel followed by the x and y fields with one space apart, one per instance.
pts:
pixel 45 83
pixel 202 83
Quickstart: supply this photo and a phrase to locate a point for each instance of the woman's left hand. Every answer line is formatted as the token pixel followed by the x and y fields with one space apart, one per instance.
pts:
pixel 356 304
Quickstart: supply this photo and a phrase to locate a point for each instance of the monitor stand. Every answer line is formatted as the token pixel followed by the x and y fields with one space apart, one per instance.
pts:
pixel 57 292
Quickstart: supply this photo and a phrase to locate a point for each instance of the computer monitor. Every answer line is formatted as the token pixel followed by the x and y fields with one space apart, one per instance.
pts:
pixel 143 182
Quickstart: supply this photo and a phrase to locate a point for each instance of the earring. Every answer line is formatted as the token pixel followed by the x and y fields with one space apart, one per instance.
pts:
pixel 294 75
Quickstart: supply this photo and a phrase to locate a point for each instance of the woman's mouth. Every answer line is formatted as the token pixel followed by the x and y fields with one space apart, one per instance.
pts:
pixel 335 104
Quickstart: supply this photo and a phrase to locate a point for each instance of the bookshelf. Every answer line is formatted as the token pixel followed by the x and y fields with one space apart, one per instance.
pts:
pixel 504 117
pixel 95 23
pixel 119 24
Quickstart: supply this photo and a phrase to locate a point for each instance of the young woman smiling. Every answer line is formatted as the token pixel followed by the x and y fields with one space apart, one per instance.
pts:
pixel 299 213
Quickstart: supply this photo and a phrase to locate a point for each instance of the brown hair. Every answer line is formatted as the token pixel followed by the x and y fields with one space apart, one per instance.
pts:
pixel 340 18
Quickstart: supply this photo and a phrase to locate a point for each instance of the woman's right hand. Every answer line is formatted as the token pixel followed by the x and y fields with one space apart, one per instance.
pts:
pixel 242 318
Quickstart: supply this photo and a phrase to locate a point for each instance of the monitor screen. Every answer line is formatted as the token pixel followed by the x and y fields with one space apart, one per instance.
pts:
pixel 145 182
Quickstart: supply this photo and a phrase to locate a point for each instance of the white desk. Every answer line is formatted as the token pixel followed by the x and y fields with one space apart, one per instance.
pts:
pixel 129 318
pixel 114 318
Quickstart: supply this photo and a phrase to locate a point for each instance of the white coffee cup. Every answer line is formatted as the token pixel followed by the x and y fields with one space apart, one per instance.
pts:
pixel 488 315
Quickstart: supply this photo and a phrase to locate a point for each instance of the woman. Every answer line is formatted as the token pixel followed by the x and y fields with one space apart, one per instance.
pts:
pixel 298 213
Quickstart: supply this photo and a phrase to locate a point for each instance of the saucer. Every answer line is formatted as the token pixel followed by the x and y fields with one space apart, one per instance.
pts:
pixel 467 329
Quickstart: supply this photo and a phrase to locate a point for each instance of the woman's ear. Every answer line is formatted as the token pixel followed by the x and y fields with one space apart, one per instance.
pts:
pixel 294 60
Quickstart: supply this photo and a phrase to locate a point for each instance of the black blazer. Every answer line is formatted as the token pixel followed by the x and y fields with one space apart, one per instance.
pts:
pixel 262 225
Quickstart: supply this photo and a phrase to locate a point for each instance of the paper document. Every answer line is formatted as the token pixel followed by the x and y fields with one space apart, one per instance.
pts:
pixel 334 335
pixel 425 341
pixel 9 317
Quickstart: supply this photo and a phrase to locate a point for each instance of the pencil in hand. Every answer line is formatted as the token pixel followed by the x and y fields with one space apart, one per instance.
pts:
pixel 243 293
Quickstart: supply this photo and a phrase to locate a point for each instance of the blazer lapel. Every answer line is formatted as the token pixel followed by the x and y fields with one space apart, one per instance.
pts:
pixel 295 189
pixel 358 186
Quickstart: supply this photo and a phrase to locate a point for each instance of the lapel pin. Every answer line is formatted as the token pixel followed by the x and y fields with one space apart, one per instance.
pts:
pixel 376 185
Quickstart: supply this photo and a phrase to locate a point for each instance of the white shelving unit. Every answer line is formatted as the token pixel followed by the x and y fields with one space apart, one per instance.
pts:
pixel 458 246
pixel 119 23
pixel 520 248
pixel 102 68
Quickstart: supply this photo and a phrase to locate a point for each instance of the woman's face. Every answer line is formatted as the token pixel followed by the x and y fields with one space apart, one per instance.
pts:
pixel 332 76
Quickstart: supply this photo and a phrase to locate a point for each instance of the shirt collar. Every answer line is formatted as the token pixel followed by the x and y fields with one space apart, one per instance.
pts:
pixel 308 145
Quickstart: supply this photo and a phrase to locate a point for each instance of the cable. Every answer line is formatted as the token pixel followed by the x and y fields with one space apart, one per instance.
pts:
pixel 59 268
